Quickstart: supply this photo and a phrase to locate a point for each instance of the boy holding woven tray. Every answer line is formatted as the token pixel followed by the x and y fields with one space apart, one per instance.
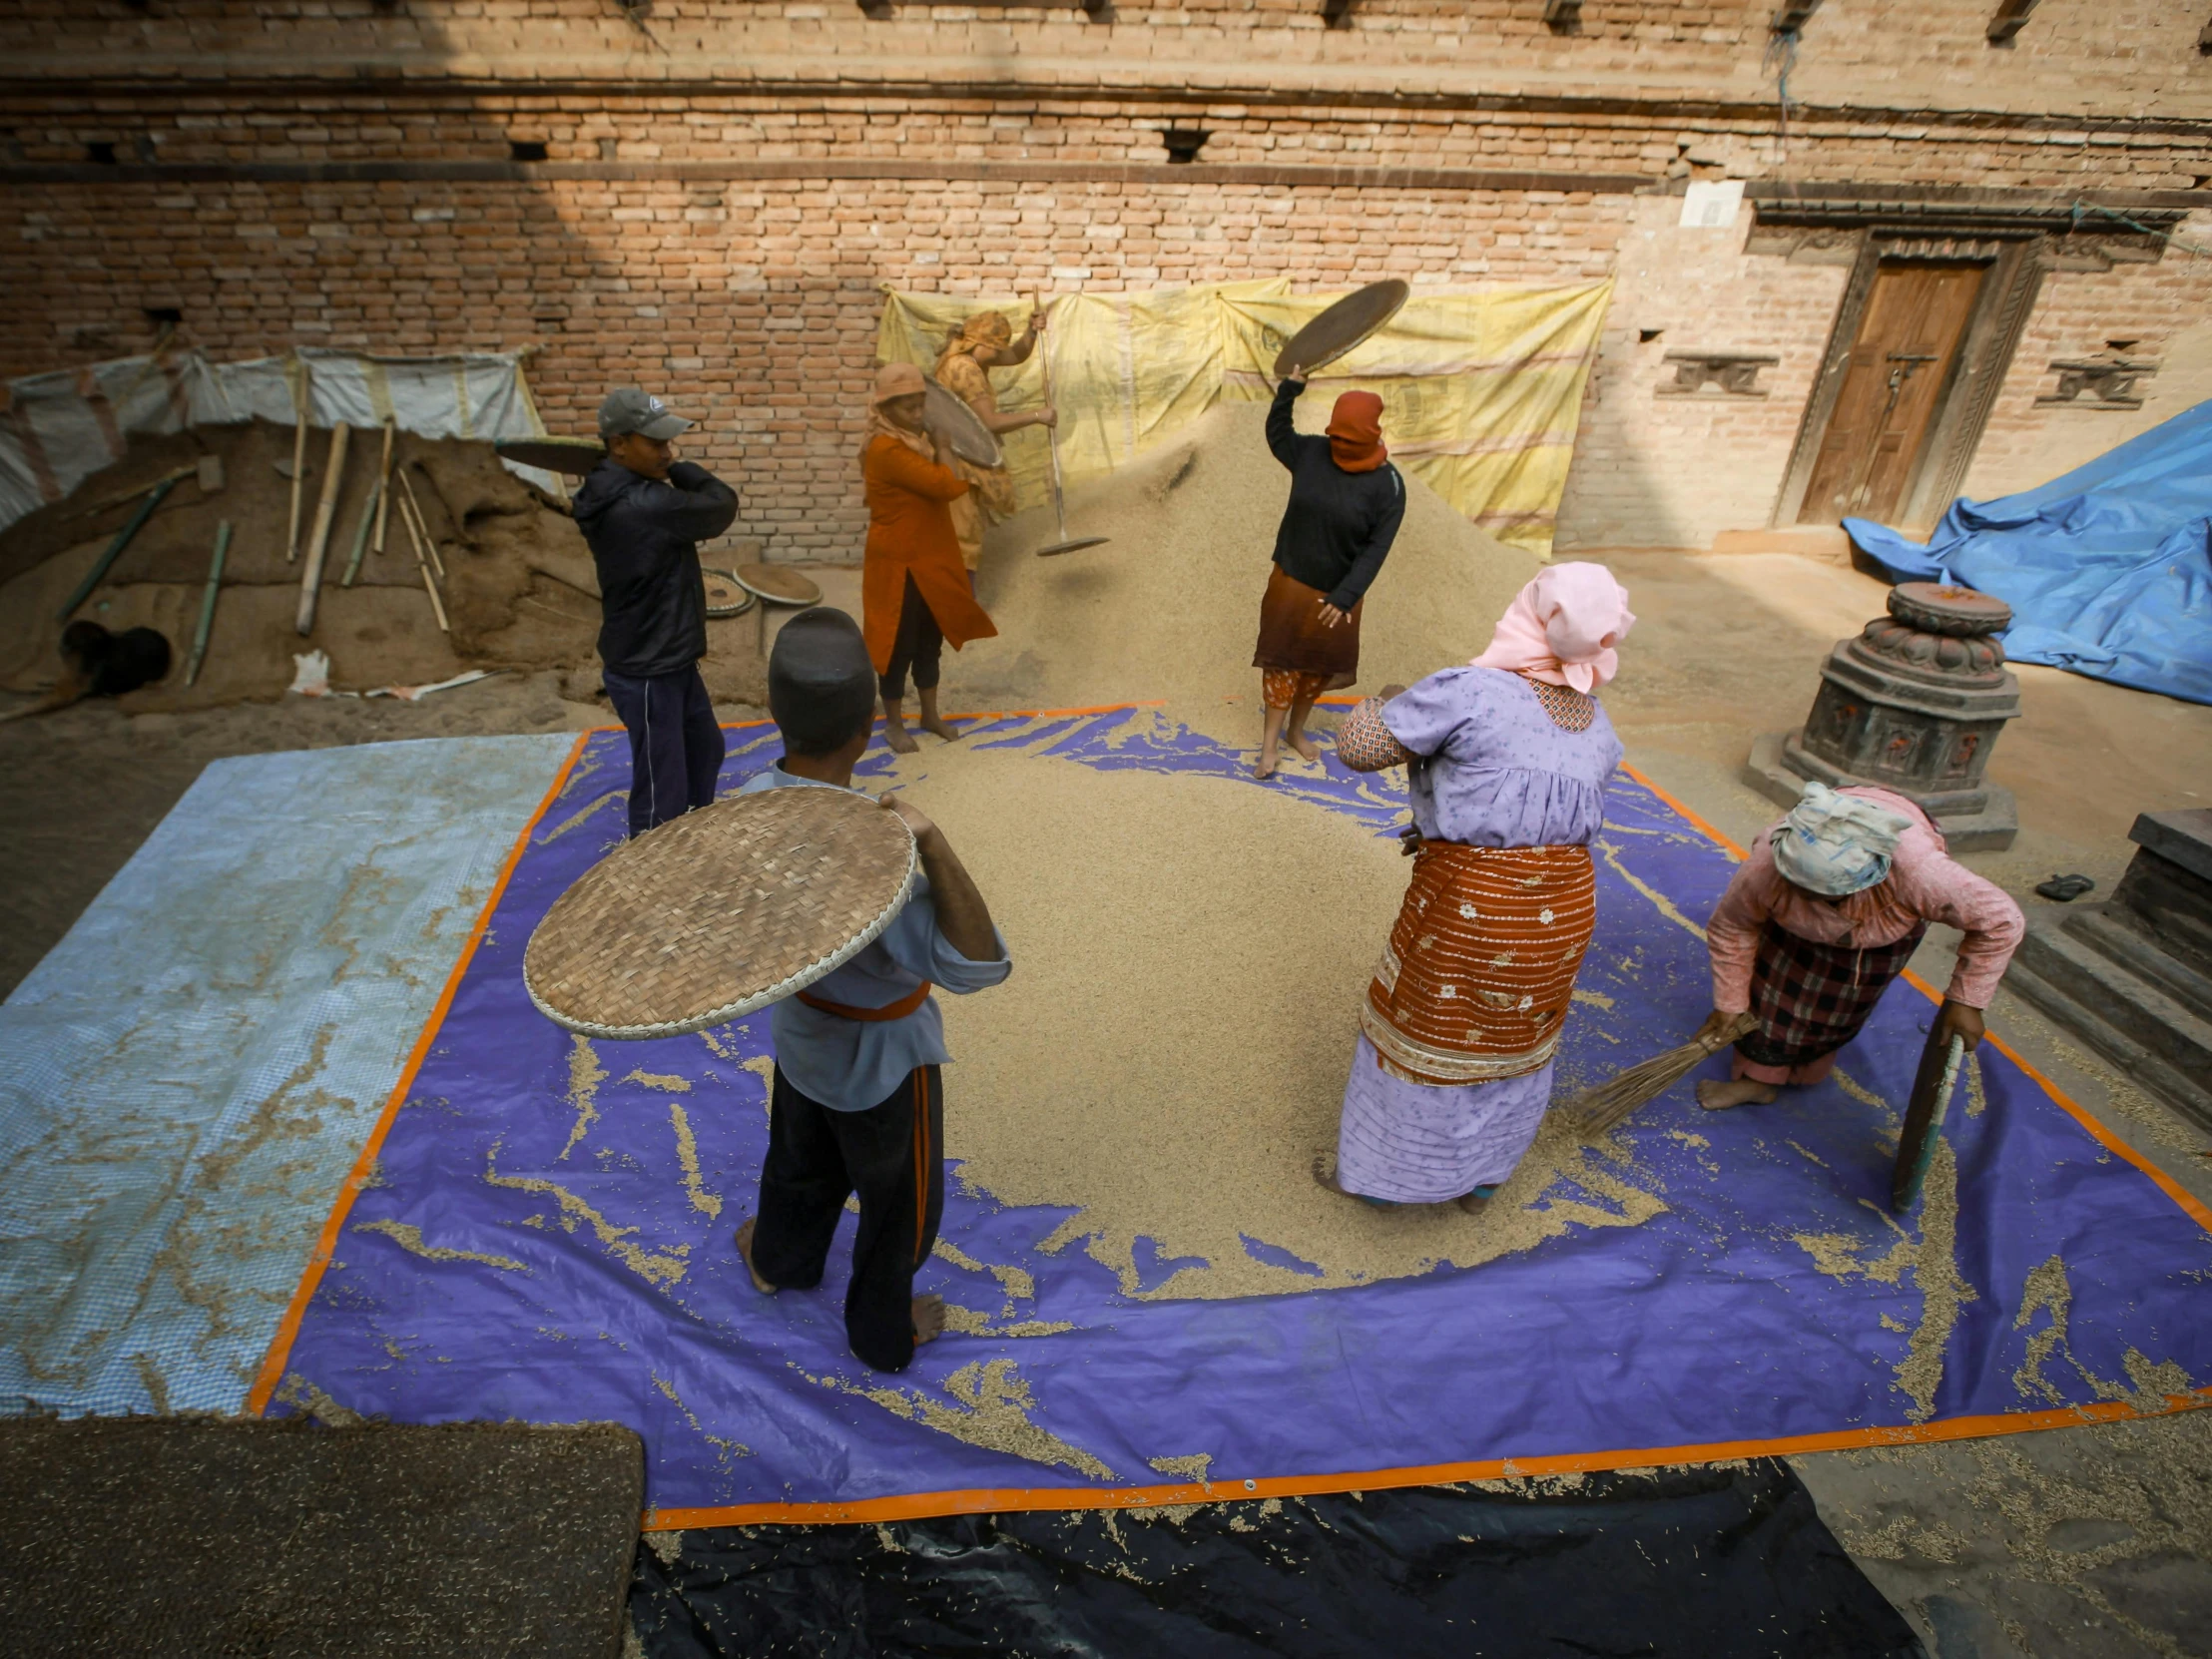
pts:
pixel 858 1102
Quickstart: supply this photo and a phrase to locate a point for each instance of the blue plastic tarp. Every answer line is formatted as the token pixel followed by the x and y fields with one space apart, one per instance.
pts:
pixel 550 1239
pixel 2108 570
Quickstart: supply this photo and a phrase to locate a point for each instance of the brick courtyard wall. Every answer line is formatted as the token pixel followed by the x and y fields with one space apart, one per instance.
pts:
pixel 2163 311
pixel 1652 470
pixel 2073 58
pixel 728 185
pixel 751 305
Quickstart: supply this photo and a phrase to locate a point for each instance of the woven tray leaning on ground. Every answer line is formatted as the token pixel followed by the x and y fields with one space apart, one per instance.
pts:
pixel 718 913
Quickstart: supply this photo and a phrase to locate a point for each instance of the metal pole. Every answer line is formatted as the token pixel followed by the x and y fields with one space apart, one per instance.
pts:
pixel 1052 442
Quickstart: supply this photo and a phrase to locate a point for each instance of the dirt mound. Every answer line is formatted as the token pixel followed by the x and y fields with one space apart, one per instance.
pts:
pixel 1170 606
pixel 520 590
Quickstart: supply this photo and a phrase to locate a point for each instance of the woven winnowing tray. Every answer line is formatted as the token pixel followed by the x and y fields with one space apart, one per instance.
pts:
pixel 718 913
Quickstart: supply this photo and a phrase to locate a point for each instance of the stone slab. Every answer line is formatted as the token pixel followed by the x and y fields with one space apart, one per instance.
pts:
pixel 2095 1000
pixel 1826 543
pixel 2184 838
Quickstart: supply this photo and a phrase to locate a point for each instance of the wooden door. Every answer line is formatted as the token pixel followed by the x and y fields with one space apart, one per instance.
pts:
pixel 1877 434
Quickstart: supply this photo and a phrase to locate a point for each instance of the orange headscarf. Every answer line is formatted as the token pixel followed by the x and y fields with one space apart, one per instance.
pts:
pixel 1356 432
pixel 896 380
pixel 984 328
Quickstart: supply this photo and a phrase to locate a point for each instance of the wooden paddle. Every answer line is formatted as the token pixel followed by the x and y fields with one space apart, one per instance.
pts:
pixel 1933 1085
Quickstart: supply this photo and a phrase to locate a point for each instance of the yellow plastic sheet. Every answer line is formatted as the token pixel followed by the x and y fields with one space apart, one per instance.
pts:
pixel 1481 392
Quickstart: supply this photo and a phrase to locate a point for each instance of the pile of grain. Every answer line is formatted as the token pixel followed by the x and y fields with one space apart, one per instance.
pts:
pixel 520 590
pixel 1170 606
pixel 1170 1052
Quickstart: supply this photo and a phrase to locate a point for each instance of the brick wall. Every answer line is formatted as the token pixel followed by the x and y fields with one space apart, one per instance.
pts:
pixel 754 306
pixel 727 190
pixel 1666 471
pixel 580 130
pixel 2073 55
pixel 2163 309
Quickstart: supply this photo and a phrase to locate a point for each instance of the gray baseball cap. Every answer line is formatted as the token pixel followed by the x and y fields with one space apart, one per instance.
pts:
pixel 632 409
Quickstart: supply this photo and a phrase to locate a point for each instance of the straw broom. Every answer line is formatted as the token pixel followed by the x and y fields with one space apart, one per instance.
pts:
pixel 1606 1105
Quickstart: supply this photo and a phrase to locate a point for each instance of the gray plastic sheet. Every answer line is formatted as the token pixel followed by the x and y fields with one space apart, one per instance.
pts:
pixel 187 1078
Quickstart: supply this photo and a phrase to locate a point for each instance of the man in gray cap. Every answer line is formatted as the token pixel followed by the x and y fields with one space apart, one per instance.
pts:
pixel 644 512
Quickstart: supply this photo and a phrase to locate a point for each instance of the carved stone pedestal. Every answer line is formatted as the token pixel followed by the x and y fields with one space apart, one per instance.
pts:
pixel 2134 977
pixel 1915 705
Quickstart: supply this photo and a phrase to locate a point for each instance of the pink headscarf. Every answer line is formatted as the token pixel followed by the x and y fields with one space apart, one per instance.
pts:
pixel 1562 627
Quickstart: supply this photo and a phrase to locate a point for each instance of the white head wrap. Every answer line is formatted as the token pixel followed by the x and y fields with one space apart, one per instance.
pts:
pixel 1834 845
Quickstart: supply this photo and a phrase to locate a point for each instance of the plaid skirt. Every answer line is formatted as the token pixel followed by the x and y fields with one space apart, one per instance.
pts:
pixel 1811 998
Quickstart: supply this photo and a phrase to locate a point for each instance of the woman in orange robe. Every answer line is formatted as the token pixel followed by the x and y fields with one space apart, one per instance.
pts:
pixel 915 589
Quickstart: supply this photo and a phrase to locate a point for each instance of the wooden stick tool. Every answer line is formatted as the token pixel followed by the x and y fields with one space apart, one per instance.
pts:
pixel 318 544
pixel 414 503
pixel 383 483
pixel 106 561
pixel 302 399
pixel 207 602
pixel 422 561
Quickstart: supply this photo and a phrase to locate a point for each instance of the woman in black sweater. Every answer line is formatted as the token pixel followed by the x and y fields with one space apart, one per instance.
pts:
pixel 1345 503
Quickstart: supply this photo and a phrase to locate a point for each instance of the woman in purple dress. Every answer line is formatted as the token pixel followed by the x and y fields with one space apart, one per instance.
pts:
pixel 1507 759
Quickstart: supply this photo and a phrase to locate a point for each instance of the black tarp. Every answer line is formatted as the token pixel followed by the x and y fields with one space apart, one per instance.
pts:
pixel 1724 1562
pixel 204 1537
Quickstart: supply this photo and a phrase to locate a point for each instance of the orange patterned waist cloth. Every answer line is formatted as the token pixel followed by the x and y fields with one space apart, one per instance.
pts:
pixel 1475 982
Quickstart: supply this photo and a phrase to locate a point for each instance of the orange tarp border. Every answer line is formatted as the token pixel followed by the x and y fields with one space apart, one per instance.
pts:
pixel 918 1506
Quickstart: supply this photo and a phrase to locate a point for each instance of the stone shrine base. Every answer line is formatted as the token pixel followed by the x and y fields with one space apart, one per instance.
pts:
pixel 1778 769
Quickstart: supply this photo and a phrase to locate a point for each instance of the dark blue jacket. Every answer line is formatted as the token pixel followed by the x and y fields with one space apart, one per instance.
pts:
pixel 644 537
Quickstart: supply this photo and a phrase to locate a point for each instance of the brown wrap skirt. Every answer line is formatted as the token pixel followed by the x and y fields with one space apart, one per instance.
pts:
pixel 1291 635
pixel 1479 972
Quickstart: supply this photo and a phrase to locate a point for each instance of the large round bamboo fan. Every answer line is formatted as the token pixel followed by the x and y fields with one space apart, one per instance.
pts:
pixel 964 432
pixel 1342 326
pixel 779 584
pixel 574 457
pixel 726 595
pixel 718 913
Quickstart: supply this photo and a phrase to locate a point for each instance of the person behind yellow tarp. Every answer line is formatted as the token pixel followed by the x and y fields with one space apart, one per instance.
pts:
pixel 986 341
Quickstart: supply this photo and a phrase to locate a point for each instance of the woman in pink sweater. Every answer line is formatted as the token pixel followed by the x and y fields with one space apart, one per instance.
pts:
pixel 1823 915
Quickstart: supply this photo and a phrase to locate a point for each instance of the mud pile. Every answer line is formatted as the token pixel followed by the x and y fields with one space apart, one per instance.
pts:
pixel 518 587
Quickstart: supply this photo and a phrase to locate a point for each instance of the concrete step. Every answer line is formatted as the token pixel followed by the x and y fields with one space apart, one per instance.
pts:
pixel 2095 925
pixel 2121 998
pixel 1826 543
pixel 2159 1044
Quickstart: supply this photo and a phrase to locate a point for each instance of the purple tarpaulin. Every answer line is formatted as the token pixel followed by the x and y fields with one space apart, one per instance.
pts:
pixel 515 1257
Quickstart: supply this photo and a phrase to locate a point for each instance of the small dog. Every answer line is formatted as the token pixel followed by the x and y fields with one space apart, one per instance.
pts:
pixel 96 663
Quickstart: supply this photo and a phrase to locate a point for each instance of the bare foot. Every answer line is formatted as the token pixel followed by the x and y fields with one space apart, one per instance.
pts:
pixel 744 1249
pixel 901 740
pixel 1325 1179
pixel 1264 769
pixel 1303 742
pixel 928 1319
pixel 1716 1096
pixel 932 722
pixel 1474 1202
